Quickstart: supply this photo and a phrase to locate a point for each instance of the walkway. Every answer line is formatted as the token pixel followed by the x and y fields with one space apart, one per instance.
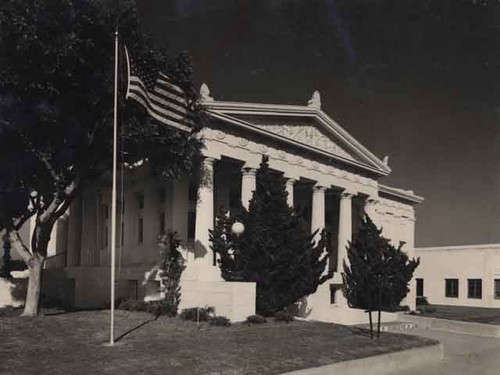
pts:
pixel 464 354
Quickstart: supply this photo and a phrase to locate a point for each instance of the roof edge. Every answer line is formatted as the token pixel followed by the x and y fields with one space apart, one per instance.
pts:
pixel 407 195
pixel 461 247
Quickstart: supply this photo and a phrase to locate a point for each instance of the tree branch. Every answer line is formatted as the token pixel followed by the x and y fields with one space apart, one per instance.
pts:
pixel 17 244
pixel 47 164
pixel 20 221
pixel 54 205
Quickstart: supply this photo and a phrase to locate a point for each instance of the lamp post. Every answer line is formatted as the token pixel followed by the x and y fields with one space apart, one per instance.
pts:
pixel 237 229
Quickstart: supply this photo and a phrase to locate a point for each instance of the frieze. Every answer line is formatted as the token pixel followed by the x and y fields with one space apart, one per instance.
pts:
pixel 258 148
pixel 308 135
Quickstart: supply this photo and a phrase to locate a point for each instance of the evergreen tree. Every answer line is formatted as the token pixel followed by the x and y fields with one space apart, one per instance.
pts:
pixel 378 273
pixel 276 251
pixel 172 268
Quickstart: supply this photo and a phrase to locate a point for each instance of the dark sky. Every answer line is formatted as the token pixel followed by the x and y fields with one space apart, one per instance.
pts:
pixel 417 80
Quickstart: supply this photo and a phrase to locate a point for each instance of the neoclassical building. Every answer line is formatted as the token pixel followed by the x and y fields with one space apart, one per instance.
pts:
pixel 329 174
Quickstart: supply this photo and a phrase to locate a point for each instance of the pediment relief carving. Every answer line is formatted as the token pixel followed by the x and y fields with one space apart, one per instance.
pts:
pixel 301 130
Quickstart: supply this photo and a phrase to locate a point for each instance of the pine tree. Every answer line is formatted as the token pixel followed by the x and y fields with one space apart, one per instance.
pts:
pixel 378 273
pixel 276 251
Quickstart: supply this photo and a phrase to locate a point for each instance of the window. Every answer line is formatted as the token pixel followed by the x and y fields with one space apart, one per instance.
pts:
pixel 122 234
pixel 191 229
pixel 103 219
pixel 475 288
pixel 193 192
pixel 140 230
pixel 140 200
pixel 420 287
pixel 161 223
pixel 140 215
pixel 451 288
pixel 161 195
pixel 497 288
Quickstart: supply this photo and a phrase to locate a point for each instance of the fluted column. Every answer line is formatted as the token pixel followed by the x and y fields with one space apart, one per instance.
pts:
pixel 345 227
pixel 290 182
pixel 205 221
pixel 371 209
pixel 74 234
pixel 318 211
pixel 248 185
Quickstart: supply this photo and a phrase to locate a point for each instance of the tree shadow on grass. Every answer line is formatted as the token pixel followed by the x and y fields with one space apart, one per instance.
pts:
pixel 359 331
pixel 133 329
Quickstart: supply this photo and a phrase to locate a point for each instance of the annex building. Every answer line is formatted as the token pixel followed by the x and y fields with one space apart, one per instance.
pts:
pixel 328 172
pixel 467 275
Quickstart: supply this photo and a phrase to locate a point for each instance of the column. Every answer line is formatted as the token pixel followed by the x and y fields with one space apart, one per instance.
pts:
pixel 371 209
pixel 409 248
pixel 290 182
pixel 318 210
pixel 345 227
pixel 205 219
pixel 74 234
pixel 248 185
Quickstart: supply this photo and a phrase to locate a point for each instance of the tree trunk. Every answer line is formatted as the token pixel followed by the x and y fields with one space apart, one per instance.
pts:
pixel 34 259
pixel 378 324
pixel 32 305
pixel 371 323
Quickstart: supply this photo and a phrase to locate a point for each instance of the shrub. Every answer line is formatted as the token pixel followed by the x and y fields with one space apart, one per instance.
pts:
pixel 194 314
pixel 422 301
pixel 284 316
pixel 133 305
pixel 220 321
pixel 256 319
pixel 426 309
pixel 156 308
pixel 172 267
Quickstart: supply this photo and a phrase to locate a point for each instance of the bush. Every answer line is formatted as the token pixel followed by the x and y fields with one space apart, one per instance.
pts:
pixel 194 314
pixel 426 309
pixel 422 301
pixel 220 321
pixel 256 319
pixel 156 308
pixel 284 316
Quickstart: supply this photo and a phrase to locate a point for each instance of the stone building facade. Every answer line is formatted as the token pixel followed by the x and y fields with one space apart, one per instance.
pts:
pixel 329 174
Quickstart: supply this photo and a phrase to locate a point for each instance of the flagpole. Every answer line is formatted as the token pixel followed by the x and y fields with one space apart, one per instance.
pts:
pixel 113 197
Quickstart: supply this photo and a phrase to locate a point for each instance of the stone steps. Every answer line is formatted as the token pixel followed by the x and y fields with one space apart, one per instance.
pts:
pixel 390 327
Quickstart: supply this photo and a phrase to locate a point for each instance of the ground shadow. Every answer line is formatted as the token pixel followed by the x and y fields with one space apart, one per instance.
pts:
pixel 136 328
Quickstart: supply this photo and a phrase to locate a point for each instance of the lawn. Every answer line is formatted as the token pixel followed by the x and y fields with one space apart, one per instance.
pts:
pixel 464 313
pixel 72 343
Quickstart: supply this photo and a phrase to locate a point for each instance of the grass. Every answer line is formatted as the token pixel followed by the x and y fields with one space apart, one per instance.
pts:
pixel 72 343
pixel 464 313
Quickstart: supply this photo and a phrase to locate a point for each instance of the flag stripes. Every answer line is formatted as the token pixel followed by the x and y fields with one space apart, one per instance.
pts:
pixel 162 99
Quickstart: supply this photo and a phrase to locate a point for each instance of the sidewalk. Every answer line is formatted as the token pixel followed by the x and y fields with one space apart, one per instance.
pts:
pixel 464 354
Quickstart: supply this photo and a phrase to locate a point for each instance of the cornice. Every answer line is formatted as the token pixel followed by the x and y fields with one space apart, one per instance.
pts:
pixel 493 246
pixel 406 195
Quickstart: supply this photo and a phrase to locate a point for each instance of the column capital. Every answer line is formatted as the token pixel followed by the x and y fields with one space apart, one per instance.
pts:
pixel 248 171
pixel 290 180
pixel 208 161
pixel 346 194
pixel 372 200
pixel 319 188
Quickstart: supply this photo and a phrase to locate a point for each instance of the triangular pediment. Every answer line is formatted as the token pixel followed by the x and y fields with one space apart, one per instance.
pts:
pixel 302 126
pixel 302 130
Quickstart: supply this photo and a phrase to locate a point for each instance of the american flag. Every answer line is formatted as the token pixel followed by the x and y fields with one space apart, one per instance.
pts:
pixel 162 99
